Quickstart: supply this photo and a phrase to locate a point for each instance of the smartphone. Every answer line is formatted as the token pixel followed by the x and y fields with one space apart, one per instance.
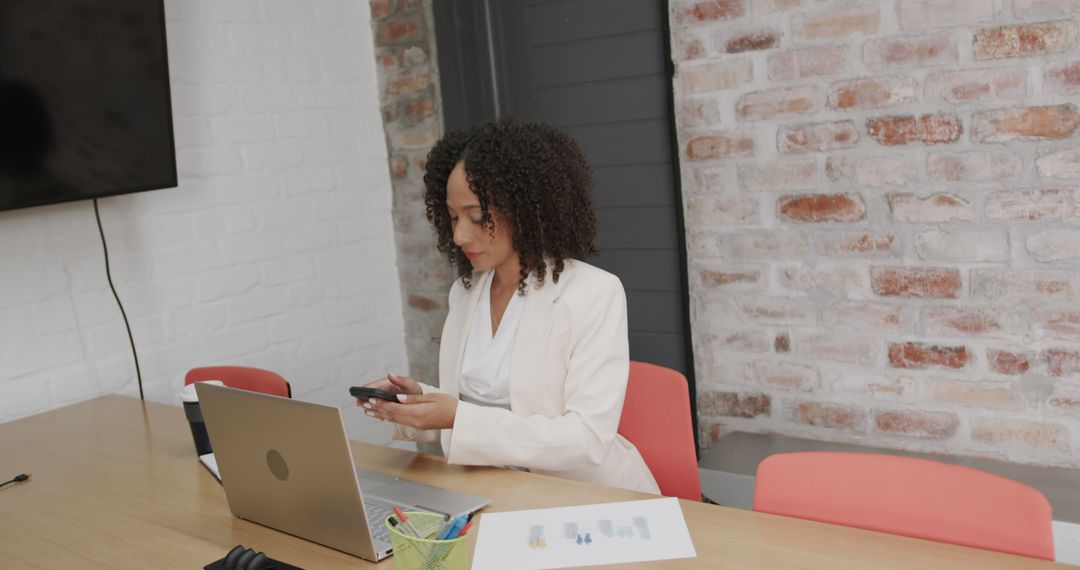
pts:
pixel 363 393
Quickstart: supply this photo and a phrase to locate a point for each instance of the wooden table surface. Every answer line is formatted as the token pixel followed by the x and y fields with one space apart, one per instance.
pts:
pixel 116 484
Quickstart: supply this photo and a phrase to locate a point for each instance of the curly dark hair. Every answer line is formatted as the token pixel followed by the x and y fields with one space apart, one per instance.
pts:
pixel 538 179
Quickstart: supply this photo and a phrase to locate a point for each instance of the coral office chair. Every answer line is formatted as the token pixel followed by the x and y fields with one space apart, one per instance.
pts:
pixel 243 378
pixel 908 496
pixel 656 419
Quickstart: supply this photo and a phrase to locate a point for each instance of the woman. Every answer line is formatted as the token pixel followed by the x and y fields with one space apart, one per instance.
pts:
pixel 534 356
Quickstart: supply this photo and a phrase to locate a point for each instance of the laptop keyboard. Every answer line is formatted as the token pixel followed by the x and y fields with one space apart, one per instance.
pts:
pixel 376 517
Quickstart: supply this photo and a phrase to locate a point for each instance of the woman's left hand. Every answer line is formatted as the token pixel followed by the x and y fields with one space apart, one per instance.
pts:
pixel 422 411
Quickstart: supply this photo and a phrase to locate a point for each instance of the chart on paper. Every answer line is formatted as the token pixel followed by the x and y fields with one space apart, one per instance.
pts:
pixel 585 535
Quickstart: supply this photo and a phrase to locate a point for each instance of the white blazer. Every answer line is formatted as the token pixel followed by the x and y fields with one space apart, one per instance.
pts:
pixel 568 374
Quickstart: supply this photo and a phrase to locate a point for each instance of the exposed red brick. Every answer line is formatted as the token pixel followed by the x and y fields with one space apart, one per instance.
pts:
pixel 836 23
pixel 836 348
pixel 419 109
pixel 1065 323
pixel 779 176
pixel 781 375
pixel 980 85
pixel 909 51
pixel 408 83
pixel 973 166
pixel 927 129
pixel 907 207
pixel 1062 361
pixel 715 279
pixel 923 14
pixel 822 208
pixel 823 414
pixel 1066 404
pixel 918 282
pixel 399 167
pixel 423 302
pixel 777 310
pixel 922 355
pixel 711 11
pixel 715 75
pixel 753 41
pixel 400 30
pixel 864 243
pixel 380 9
pixel 1024 40
pixel 929 425
pixel 807 62
pixel 719 146
pixel 1061 164
pixel 964 321
pixel 1026 9
pixel 817 137
pixel 1048 122
pixel 768 245
pixel 874 170
pixel 784 101
pixel 975 394
pixel 782 343
pixel 1041 435
pixel 1011 362
pixel 871 93
pixel 740 405
pixel 1063 78
pixel 865 314
pixel 1004 283
pixel 1030 204
pixel 693 49
pixel 725 209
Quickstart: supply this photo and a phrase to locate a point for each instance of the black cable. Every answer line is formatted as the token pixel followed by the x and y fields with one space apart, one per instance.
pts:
pixel 108 275
pixel 16 479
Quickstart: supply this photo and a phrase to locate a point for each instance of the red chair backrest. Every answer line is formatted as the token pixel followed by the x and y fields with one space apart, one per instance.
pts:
pixel 908 496
pixel 243 378
pixel 656 419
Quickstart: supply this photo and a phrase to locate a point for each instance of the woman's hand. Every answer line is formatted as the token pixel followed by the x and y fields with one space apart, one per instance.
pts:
pixel 424 411
pixel 395 385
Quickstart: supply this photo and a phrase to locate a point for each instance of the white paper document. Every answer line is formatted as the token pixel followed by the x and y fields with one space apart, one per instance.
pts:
pixel 585 535
pixel 210 462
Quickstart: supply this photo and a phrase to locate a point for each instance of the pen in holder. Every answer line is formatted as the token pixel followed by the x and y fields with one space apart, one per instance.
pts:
pixel 428 553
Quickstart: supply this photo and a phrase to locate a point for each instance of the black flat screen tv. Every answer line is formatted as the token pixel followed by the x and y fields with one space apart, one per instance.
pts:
pixel 85 109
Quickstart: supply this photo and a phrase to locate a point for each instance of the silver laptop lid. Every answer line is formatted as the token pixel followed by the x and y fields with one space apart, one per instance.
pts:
pixel 287 465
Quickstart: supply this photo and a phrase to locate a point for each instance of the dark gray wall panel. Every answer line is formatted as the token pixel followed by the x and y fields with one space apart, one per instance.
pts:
pixel 635 185
pixel 641 227
pixel 658 348
pixel 552 22
pixel 626 55
pixel 642 269
pixel 622 99
pixel 656 311
pixel 625 143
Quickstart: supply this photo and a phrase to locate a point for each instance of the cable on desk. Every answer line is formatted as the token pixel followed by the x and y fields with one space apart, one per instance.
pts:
pixel 16 479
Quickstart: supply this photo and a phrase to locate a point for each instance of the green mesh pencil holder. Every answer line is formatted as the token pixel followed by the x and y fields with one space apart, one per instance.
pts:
pixel 411 553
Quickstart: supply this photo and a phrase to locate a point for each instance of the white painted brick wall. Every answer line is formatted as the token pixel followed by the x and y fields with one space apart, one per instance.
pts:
pixel 276 251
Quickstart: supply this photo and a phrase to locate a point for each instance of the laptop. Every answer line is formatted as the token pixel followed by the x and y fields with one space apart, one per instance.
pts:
pixel 287 465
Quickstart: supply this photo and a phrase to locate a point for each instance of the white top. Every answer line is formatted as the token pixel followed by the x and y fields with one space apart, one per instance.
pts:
pixel 485 367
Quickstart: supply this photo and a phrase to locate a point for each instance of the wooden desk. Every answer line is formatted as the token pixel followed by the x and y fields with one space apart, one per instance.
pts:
pixel 116 485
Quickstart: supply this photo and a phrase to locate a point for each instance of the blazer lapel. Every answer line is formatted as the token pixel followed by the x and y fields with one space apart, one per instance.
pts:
pixel 460 323
pixel 530 342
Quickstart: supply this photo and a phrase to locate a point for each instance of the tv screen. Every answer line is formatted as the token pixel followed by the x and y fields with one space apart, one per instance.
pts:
pixel 84 100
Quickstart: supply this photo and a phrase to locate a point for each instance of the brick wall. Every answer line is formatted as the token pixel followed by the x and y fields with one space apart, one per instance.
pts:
pixel 883 233
pixel 412 117
pixel 276 250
